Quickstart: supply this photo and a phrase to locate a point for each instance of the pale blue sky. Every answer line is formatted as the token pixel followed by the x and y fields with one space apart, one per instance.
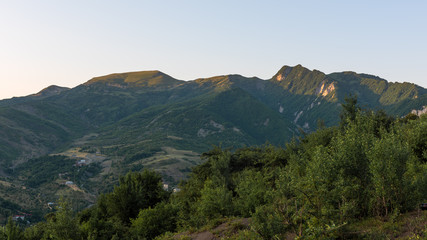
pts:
pixel 68 42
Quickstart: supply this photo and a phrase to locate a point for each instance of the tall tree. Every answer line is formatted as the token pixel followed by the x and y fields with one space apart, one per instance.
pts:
pixel 349 110
pixel 136 191
pixel 11 231
pixel 62 225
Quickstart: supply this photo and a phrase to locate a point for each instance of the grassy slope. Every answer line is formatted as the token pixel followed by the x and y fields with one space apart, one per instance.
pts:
pixel 407 226
pixel 145 79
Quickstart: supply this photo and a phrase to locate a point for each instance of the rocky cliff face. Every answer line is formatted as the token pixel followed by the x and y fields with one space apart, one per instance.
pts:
pixel 325 89
pixel 420 112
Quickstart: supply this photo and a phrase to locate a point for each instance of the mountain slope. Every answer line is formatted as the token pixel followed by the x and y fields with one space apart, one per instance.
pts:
pixel 232 117
pixel 231 109
pixel 297 96
pixel 33 129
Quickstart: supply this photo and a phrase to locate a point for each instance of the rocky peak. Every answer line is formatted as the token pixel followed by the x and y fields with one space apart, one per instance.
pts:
pixel 283 73
pixel 299 80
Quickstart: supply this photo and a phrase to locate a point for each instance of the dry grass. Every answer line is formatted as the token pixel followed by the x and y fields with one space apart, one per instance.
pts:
pixel 173 162
pixel 6 184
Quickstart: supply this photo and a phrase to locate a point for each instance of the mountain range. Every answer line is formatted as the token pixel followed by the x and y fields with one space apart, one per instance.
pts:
pixel 133 120
pixel 233 110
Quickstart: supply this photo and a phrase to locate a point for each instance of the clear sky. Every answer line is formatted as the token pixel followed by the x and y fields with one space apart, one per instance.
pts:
pixel 68 42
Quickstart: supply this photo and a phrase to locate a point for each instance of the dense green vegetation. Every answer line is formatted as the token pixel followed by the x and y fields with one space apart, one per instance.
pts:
pixel 30 187
pixel 34 129
pixel 8 208
pixel 46 169
pixel 357 180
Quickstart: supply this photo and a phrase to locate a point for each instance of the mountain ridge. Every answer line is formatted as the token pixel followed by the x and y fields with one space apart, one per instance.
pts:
pixel 136 79
pixel 300 97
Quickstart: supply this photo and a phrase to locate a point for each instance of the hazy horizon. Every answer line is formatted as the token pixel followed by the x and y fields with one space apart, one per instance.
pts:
pixel 67 43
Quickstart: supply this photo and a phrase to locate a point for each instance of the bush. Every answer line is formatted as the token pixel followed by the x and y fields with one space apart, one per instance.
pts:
pixel 267 222
pixel 152 222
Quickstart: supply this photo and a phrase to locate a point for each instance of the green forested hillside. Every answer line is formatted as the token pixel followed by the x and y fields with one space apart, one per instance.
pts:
pixel 363 179
pixel 232 117
pixel 295 97
pixel 34 129
pixel 130 121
